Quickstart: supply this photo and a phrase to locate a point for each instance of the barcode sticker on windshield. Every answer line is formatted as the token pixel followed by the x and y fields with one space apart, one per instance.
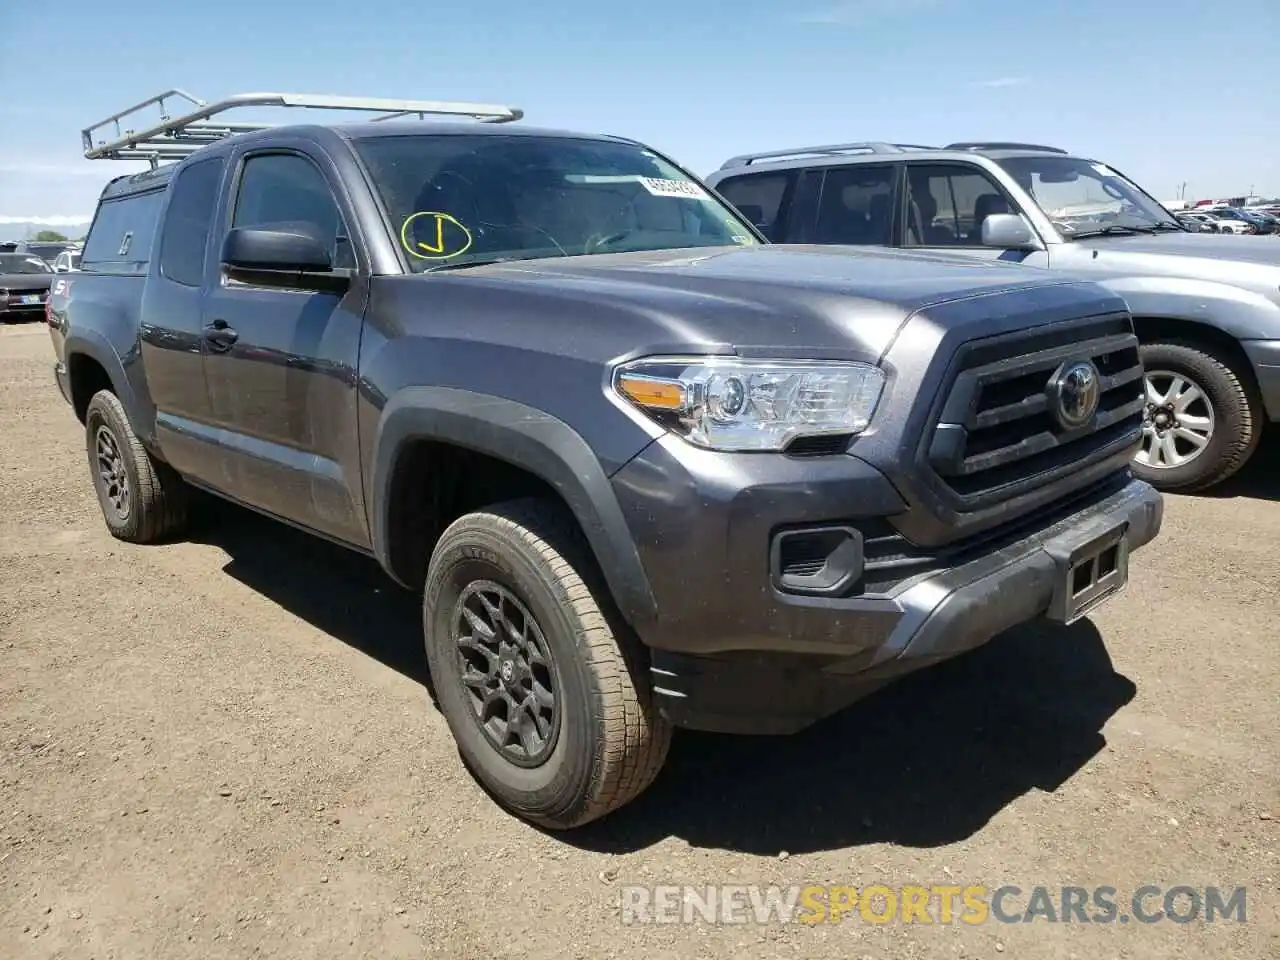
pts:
pixel 1103 169
pixel 672 188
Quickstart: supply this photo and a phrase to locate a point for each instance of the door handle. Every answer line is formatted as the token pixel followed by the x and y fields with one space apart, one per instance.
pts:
pixel 220 336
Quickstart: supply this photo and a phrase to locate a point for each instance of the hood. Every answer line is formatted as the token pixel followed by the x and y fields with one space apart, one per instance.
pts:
pixel 1248 262
pixel 760 299
pixel 1207 247
pixel 26 281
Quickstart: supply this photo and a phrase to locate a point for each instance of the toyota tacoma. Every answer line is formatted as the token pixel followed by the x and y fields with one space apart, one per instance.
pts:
pixel 646 469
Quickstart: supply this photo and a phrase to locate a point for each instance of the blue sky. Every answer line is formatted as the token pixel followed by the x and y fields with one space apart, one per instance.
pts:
pixel 1165 90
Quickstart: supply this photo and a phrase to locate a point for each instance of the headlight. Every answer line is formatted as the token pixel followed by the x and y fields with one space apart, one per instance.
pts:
pixel 726 403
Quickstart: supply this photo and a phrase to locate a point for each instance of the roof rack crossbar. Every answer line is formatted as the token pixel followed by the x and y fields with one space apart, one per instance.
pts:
pixel 175 137
pixel 831 149
pixel 1001 145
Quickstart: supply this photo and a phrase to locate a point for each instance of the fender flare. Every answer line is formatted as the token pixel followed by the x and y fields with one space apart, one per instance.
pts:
pixel 526 438
pixel 94 345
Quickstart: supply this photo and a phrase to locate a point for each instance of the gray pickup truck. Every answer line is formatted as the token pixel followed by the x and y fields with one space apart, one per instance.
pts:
pixel 1206 307
pixel 646 469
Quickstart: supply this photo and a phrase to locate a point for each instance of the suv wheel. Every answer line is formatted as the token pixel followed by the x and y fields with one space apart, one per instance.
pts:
pixel 544 692
pixel 1200 426
pixel 142 499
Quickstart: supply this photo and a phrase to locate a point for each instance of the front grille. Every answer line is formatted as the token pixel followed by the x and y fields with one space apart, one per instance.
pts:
pixel 999 432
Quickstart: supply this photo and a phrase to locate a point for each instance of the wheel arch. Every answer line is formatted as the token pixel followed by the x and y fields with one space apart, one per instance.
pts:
pixel 545 450
pixel 92 365
pixel 1201 336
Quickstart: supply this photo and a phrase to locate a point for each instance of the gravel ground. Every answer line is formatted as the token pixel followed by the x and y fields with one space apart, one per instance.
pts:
pixel 225 747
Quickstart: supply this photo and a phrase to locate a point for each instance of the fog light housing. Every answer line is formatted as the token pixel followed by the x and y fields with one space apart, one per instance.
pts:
pixel 816 561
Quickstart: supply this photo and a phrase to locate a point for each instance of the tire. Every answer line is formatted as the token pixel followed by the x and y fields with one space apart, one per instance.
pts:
pixel 155 501
pixel 604 742
pixel 1234 428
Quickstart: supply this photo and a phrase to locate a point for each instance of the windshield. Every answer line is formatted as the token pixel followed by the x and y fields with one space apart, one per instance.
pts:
pixel 22 263
pixel 456 200
pixel 1084 198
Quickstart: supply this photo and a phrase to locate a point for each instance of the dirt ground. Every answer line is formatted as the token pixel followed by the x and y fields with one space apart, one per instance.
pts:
pixel 225 748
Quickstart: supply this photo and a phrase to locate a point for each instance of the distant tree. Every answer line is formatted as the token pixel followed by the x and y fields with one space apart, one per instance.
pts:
pixel 50 236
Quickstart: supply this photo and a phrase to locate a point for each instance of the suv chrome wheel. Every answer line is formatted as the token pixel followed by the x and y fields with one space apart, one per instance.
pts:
pixel 1178 423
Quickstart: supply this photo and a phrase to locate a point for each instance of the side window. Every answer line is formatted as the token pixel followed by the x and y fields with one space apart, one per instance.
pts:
pixel 947 204
pixel 120 238
pixel 286 191
pixel 856 205
pixel 762 199
pixel 188 220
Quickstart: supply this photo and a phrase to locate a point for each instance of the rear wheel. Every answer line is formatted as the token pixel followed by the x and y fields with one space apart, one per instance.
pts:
pixel 1200 425
pixel 544 690
pixel 142 499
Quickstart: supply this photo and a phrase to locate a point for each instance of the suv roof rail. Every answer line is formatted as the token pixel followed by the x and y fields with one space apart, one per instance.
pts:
pixel 831 149
pixel 175 137
pixel 1001 145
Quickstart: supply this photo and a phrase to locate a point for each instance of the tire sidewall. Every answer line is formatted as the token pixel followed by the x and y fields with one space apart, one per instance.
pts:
pixel 1229 420
pixel 101 412
pixel 549 790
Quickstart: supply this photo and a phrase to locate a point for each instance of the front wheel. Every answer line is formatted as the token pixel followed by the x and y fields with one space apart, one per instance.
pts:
pixel 545 695
pixel 1200 425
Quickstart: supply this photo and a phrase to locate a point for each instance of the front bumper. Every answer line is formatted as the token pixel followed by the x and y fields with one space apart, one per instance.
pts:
pixel 1265 357
pixel 731 652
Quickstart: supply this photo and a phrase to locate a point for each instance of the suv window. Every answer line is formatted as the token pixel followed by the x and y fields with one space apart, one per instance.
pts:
pixel 188 220
pixel 120 238
pixel 856 205
pixel 762 199
pixel 286 191
pixel 947 204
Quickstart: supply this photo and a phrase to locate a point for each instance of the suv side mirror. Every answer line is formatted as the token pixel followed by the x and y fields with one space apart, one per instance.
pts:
pixel 1008 231
pixel 289 251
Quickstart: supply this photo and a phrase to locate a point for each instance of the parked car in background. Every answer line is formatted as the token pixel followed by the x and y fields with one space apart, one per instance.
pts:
pixel 68 261
pixel 1206 309
pixel 46 250
pixel 1198 222
pixel 1259 222
pixel 24 286
pixel 1227 224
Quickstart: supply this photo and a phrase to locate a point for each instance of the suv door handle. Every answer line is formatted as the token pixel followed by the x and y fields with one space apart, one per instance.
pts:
pixel 220 336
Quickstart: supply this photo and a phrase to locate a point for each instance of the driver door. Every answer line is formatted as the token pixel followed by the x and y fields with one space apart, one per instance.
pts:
pixel 946 204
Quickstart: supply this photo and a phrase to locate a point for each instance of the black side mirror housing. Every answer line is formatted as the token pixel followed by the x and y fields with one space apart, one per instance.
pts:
pixel 289 251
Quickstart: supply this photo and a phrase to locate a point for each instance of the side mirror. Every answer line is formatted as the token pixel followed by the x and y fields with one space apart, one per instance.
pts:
pixel 1009 232
pixel 289 251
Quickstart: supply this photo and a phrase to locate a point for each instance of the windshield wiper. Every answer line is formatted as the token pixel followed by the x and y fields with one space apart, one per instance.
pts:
pixel 1117 228
pixel 472 263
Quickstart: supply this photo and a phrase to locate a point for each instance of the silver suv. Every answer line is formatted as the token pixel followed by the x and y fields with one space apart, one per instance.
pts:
pixel 1206 306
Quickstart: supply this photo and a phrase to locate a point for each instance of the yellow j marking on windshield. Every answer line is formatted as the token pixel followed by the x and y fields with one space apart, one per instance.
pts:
pixel 451 237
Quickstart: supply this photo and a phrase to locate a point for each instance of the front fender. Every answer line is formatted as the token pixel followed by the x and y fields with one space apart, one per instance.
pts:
pixel 1238 311
pixel 526 438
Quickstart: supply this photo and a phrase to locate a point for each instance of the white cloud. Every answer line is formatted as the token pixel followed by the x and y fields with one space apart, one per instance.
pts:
pixel 45 221
pixel 1002 82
